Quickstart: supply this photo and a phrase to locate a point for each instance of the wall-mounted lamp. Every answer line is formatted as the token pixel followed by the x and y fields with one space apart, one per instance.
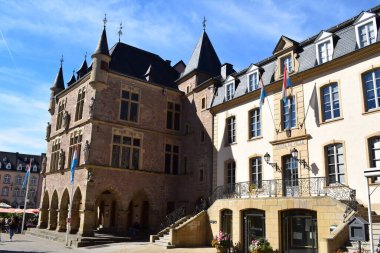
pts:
pixel 303 162
pixel 267 159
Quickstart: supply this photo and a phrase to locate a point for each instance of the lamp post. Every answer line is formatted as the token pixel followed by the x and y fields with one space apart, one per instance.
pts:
pixel 371 172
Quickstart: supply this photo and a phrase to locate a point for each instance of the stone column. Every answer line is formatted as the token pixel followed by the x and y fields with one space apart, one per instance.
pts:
pixel 87 219
pixel 121 220
pixel 62 223
pixel 52 219
pixel 43 220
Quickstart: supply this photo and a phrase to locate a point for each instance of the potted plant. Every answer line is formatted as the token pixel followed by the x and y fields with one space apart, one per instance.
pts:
pixel 260 245
pixel 221 242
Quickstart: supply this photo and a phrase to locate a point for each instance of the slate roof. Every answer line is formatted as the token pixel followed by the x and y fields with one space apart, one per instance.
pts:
pixel 82 70
pixel 344 39
pixel 58 84
pixel 72 80
pixel 14 159
pixel 204 58
pixel 135 62
pixel 102 47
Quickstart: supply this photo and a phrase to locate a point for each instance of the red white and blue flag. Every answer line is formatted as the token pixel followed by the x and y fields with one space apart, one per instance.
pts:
pixel 263 93
pixel 26 174
pixel 73 165
pixel 286 83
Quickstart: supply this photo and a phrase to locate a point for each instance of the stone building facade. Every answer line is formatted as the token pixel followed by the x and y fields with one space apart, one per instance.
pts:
pixel 12 175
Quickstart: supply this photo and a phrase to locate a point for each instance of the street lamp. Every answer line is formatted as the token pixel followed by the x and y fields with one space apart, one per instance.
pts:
pixel 267 159
pixel 303 162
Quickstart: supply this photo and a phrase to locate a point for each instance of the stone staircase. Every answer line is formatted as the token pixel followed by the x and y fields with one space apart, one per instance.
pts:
pixel 164 237
pixel 73 240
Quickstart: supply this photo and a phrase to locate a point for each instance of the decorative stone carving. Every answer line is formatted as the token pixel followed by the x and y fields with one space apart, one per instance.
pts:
pixel 66 120
pixel 86 151
pixel 48 131
pixel 43 165
pixel 90 174
pixel 91 107
pixel 61 160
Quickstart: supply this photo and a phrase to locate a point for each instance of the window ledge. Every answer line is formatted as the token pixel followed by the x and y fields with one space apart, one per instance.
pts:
pixel 255 138
pixel 331 120
pixel 371 111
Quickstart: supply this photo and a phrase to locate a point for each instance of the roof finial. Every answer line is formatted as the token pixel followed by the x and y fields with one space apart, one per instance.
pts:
pixel 73 71
pixel 105 20
pixel 204 23
pixel 61 60
pixel 85 56
pixel 120 32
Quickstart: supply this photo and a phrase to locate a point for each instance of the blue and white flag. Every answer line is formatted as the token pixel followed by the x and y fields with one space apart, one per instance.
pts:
pixel 263 93
pixel 26 174
pixel 73 165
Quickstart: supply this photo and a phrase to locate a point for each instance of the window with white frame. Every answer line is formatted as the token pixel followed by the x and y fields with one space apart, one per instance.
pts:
pixel 230 90
pixel 286 61
pixel 35 168
pixel 230 173
pixel 33 180
pixel 19 167
pixel 288 113
pixel 253 81
pixel 366 29
pixel 372 89
pixel 18 179
pixel 325 51
pixel 335 163
pixel 374 153
pixel 254 123
pixel 330 103
pixel 231 138
pixel 256 171
pixel 7 179
pixel 126 152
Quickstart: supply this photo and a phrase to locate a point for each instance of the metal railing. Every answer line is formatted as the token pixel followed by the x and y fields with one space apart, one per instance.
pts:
pixel 301 187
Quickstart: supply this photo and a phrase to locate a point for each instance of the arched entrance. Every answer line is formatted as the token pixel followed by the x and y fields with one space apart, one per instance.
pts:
pixel 299 231
pixel 106 211
pixel 63 211
pixel 53 211
pixel 44 212
pixel 75 211
pixel 138 212
pixel 253 221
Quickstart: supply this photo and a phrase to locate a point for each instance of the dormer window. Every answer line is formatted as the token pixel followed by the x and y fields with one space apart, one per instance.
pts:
pixel 253 81
pixel 230 90
pixel 286 60
pixel 324 47
pixel 366 29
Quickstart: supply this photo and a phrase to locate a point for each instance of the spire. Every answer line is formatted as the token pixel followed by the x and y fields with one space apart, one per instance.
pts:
pixel 204 58
pixel 58 84
pixel 120 32
pixel 83 69
pixel 204 23
pixel 103 45
pixel 72 80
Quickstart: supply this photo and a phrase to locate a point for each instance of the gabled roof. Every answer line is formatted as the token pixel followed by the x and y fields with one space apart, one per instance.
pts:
pixel 322 35
pixel 283 43
pixel 58 84
pixel 102 47
pixel 204 58
pixel 364 16
pixel 136 62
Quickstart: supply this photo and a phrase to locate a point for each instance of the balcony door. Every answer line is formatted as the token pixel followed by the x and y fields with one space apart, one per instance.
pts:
pixel 290 176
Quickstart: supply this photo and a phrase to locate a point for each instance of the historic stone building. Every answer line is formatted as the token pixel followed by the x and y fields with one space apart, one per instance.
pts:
pixel 153 138
pixel 12 174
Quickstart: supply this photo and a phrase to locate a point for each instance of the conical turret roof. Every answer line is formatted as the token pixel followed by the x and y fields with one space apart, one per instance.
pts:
pixel 58 84
pixel 204 58
pixel 103 44
pixel 72 80
pixel 83 69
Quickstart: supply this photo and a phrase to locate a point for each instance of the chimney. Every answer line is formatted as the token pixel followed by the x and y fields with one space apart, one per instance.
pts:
pixel 226 70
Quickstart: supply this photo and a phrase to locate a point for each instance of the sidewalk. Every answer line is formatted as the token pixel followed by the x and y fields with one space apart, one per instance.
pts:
pixel 27 243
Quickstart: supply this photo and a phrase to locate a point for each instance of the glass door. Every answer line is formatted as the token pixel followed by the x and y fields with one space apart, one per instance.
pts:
pixel 290 176
pixel 254 227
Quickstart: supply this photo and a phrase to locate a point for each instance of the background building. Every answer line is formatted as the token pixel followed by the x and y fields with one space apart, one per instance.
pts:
pixel 12 174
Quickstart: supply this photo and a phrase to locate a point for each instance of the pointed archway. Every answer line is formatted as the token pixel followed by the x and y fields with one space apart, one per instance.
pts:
pixel 44 211
pixel 53 211
pixel 107 210
pixel 76 210
pixel 63 211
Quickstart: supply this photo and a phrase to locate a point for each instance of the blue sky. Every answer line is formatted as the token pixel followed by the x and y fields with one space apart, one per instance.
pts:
pixel 34 35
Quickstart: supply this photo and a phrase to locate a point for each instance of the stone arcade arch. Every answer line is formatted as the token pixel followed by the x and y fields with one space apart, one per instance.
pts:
pixel 63 211
pixel 44 212
pixel 76 211
pixel 53 214
pixel 107 206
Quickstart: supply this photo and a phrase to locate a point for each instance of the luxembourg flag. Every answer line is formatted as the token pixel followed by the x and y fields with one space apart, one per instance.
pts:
pixel 73 165
pixel 263 93
pixel 26 174
pixel 286 83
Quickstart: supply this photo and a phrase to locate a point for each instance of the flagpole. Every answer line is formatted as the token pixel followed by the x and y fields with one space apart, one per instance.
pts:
pixel 307 110
pixel 26 196
pixel 68 225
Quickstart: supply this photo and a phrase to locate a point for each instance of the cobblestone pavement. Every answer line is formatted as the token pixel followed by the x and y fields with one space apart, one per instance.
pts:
pixel 27 243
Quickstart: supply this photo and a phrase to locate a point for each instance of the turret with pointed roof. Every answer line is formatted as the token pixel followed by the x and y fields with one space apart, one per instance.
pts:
pixel 204 59
pixel 100 64
pixel 72 80
pixel 56 88
pixel 82 70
